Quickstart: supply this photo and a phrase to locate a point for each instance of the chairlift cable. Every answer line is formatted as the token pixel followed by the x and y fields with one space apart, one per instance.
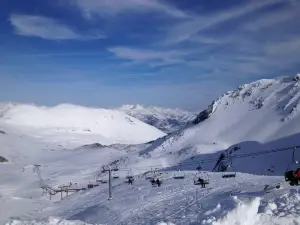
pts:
pixel 215 160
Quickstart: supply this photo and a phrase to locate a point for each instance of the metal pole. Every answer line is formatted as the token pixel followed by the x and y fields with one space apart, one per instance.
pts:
pixel 110 185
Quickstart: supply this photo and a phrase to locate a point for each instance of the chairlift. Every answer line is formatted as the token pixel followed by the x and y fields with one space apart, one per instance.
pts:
pixel 228 174
pixel 179 174
pixel 104 181
pixel 149 175
pixel 102 178
pixel 292 171
pixel 156 181
pixel 129 175
pixel 200 179
pixel 227 170
pixel 115 175
pixel 129 179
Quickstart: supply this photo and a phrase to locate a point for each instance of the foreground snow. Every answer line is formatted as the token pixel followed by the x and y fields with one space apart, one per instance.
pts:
pixel 236 201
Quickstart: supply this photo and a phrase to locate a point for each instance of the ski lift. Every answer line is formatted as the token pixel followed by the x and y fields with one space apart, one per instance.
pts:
pixel 115 175
pixel 149 175
pixel 104 181
pixel 179 174
pixel 200 179
pixel 129 179
pixel 227 171
pixel 129 176
pixel 156 179
pixel 292 172
pixel 156 182
pixel 102 178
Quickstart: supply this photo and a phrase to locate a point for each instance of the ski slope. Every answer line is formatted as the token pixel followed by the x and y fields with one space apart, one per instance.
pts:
pixel 238 201
pixel 260 116
pixel 77 122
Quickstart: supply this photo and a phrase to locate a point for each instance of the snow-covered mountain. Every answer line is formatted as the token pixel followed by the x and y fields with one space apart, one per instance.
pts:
pixel 165 119
pixel 77 122
pixel 263 115
pixel 258 116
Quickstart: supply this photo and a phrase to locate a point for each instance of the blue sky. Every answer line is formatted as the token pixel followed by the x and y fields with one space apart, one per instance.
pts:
pixel 155 52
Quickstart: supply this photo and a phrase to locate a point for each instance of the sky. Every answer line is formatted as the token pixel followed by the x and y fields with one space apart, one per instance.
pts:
pixel 170 53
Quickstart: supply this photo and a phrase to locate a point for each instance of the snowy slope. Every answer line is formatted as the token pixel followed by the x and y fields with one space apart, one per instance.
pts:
pixel 76 122
pixel 165 119
pixel 259 116
pixel 241 201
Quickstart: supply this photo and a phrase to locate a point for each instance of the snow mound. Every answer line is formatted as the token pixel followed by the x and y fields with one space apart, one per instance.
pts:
pixel 165 119
pixel 283 210
pixel 51 221
pixel 108 126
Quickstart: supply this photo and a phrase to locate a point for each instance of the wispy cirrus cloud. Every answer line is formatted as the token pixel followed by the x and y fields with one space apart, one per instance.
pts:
pixel 47 28
pixel 151 57
pixel 185 30
pixel 116 7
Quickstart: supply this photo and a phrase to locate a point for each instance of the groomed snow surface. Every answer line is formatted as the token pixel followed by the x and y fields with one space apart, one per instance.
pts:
pixel 241 201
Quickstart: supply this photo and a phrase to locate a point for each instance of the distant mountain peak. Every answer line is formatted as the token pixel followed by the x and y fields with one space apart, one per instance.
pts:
pixel 282 94
pixel 165 119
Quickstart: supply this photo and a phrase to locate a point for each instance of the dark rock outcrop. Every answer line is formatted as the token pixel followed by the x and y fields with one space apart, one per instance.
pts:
pixel 2 159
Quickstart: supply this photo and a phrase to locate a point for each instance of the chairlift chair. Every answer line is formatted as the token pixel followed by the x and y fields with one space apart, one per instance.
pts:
pixel 228 174
pixel 149 175
pixel 205 180
pixel 115 175
pixel 129 176
pixel 227 171
pixel 154 183
pixel 178 175
pixel 102 179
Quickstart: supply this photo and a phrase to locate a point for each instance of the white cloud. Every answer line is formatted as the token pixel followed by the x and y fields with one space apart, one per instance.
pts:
pixel 154 58
pixel 274 18
pixel 115 7
pixel 46 28
pixel 185 30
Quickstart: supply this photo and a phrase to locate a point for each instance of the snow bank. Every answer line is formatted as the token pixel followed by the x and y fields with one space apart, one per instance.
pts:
pixel 51 221
pixel 256 212
pixel 165 223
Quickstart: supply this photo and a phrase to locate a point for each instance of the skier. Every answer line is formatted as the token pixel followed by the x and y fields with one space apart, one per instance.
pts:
pixel 130 181
pixel 153 182
pixel 201 181
pixel 158 182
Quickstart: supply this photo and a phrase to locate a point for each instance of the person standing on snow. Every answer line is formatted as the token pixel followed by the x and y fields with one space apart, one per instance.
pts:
pixel 158 182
